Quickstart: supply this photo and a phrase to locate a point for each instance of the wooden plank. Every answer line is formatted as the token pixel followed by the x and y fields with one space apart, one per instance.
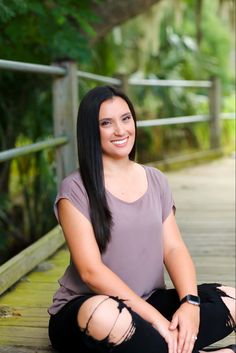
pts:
pixel 33 333
pixel 28 312
pixel 15 349
pixel 205 201
pixel 33 321
pixel 27 325
pixel 25 261
pixel 27 285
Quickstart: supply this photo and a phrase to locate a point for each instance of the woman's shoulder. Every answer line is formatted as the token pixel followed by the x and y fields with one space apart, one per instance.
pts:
pixel 159 182
pixel 72 189
pixel 72 182
pixel 155 173
pixel 73 176
pixel 157 179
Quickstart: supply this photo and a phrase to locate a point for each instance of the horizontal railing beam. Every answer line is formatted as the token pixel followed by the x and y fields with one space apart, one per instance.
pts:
pixel 95 77
pixel 32 148
pixel 174 120
pixel 227 115
pixel 181 120
pixel 35 68
pixel 56 70
pixel 169 83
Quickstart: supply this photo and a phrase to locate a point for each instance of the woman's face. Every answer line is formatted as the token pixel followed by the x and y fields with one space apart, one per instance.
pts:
pixel 117 128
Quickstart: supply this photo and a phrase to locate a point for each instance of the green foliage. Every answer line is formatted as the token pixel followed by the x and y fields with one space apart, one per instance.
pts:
pixel 12 8
pixel 38 32
pixel 43 31
pixel 164 45
pixel 25 112
pixel 24 211
pixel 228 126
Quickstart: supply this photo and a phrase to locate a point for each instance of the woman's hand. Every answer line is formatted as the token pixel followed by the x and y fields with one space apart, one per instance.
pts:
pixel 170 336
pixel 186 319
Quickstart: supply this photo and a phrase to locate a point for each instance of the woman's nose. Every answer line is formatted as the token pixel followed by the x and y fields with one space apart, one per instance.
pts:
pixel 119 129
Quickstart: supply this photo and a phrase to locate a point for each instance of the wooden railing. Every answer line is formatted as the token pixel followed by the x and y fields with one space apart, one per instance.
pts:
pixel 65 105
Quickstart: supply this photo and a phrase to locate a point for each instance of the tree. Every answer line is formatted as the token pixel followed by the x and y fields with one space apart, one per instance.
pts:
pixel 59 29
pixel 113 13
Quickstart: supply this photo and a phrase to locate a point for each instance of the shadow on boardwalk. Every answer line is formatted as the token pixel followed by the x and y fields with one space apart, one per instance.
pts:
pixel 205 200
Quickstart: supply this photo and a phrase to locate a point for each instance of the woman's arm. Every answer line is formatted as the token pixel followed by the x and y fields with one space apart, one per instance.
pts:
pixel 177 259
pixel 182 272
pixel 99 278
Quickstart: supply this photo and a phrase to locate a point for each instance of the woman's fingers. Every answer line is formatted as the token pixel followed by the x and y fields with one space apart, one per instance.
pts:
pixel 186 343
pixel 174 323
pixel 181 340
pixel 172 342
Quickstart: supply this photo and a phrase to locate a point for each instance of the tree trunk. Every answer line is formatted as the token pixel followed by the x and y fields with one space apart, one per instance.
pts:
pixel 199 7
pixel 113 12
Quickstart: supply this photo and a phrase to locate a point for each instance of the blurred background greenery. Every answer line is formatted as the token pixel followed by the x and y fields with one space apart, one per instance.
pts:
pixel 165 39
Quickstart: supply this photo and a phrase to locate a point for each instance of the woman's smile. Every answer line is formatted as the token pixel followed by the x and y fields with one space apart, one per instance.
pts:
pixel 117 128
pixel 121 142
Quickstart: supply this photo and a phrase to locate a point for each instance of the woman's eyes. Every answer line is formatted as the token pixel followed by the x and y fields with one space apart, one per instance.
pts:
pixel 105 122
pixel 108 122
pixel 127 117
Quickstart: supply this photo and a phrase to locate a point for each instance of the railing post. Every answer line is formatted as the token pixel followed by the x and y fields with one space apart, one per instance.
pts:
pixel 214 109
pixel 65 106
pixel 124 82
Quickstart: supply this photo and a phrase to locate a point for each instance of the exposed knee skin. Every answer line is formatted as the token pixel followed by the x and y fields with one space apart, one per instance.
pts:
pixel 101 318
pixel 229 300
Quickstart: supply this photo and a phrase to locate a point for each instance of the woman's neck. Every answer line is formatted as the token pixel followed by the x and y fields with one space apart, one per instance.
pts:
pixel 125 179
pixel 119 166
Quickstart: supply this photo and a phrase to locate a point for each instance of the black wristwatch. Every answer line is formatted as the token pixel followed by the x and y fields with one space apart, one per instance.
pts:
pixel 191 299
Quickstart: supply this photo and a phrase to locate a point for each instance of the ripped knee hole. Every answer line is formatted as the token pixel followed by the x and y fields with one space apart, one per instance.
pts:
pixel 105 318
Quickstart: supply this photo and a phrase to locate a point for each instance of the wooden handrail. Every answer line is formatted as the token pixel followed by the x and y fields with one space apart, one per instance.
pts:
pixel 173 120
pixel 32 148
pixel 35 68
pixel 169 83
pixel 95 77
pixel 19 265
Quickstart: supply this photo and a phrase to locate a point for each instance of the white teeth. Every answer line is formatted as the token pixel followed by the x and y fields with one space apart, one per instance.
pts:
pixel 119 142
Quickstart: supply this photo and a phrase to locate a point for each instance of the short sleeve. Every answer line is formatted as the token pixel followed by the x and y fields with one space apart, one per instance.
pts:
pixel 167 200
pixel 72 189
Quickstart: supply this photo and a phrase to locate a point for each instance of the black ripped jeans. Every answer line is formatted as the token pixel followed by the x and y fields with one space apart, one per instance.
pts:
pixel 215 324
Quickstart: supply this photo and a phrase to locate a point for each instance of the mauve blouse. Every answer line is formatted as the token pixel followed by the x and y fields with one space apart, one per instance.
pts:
pixel 135 252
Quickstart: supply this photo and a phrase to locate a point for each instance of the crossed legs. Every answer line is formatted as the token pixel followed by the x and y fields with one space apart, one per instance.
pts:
pixel 106 319
pixel 100 323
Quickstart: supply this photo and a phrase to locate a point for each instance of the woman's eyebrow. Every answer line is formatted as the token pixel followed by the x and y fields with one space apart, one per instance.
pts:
pixel 122 116
pixel 125 114
pixel 105 119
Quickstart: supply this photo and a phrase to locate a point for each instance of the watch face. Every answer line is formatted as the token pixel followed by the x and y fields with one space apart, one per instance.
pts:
pixel 193 302
pixel 192 299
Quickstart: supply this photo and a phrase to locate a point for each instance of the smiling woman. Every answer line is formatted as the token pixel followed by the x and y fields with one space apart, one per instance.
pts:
pixel 118 218
pixel 117 128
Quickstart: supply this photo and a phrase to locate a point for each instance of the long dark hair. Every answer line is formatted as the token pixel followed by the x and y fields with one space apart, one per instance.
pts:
pixel 90 158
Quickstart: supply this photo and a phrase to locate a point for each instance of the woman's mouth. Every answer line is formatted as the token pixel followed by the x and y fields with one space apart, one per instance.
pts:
pixel 120 142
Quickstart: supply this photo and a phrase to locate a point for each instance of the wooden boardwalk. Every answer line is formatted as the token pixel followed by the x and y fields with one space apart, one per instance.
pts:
pixel 205 200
